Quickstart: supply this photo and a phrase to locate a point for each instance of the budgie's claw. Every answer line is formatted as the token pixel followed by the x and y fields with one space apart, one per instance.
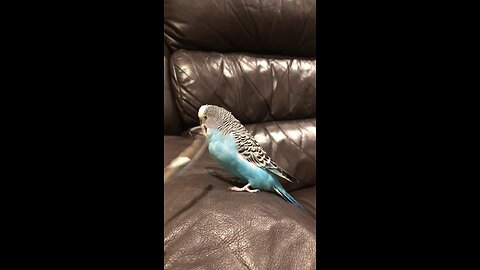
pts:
pixel 245 188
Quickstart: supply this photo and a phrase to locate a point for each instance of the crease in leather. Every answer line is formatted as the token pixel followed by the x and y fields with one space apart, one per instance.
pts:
pixel 171 119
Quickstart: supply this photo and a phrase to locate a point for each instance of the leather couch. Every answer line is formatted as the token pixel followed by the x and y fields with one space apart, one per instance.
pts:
pixel 256 59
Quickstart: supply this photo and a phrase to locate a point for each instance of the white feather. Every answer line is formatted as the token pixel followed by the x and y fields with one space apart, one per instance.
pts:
pixel 201 111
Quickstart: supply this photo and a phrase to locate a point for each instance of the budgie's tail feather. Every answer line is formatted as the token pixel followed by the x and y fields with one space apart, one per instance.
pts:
pixel 284 194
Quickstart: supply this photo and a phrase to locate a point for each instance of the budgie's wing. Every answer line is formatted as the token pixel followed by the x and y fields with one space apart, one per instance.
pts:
pixel 249 148
pixel 185 159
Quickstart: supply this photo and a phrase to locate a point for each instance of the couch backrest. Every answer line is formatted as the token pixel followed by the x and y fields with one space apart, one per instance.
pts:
pixel 254 88
pixel 275 27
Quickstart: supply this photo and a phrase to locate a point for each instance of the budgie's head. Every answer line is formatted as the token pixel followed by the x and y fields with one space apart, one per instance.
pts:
pixel 214 117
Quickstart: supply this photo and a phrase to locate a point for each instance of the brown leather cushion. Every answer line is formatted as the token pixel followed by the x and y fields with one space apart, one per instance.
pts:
pixel 207 225
pixel 255 89
pixel 264 27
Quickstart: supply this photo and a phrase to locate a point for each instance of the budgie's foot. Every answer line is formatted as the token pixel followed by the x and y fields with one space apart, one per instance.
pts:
pixel 245 188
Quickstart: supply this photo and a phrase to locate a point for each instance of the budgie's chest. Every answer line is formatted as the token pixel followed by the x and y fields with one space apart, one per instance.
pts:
pixel 223 149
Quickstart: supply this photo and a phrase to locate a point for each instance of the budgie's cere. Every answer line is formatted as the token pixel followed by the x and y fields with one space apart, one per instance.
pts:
pixel 230 143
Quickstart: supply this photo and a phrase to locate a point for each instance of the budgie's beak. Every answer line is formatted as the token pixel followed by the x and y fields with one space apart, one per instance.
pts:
pixel 204 129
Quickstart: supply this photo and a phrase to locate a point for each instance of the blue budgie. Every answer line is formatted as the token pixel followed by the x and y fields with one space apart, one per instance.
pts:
pixel 235 149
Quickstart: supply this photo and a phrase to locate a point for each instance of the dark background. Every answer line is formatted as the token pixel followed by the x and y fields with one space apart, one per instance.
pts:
pixel 83 104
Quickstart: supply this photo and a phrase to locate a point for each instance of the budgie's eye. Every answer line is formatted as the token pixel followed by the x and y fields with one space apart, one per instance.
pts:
pixel 205 117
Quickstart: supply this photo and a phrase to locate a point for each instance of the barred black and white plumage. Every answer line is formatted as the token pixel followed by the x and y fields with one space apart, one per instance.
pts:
pixel 248 147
